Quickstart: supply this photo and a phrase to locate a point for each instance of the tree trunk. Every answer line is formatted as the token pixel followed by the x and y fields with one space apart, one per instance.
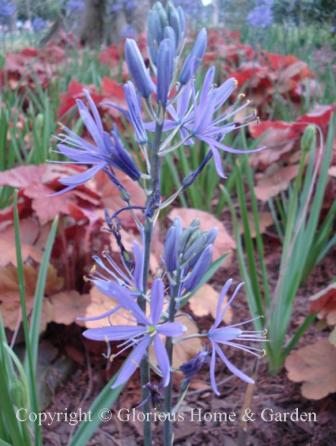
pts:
pixel 92 32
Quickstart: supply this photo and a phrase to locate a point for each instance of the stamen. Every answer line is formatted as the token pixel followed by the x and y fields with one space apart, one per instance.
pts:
pixel 246 349
pixel 248 321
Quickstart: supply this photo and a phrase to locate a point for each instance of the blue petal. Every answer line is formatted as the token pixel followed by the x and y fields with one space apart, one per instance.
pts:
pixel 218 145
pixel 156 303
pixel 224 91
pixel 94 111
pixel 171 329
pixel 162 359
pixel 113 333
pixel 213 371
pixel 233 369
pixel 219 312
pixel 123 297
pixel 100 316
pixel 78 154
pixel 139 265
pixel 132 362
pixel 83 177
pixel 224 334
pixel 218 162
pixel 90 124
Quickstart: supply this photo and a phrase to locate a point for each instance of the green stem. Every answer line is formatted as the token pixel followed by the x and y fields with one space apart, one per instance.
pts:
pixel 168 425
pixel 152 200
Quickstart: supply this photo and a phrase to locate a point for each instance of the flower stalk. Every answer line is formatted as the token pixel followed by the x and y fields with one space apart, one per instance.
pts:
pixel 180 117
pixel 168 400
pixel 153 201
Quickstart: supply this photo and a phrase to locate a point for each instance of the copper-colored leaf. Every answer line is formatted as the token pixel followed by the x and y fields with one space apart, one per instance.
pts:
pixel 278 137
pixel 204 302
pixel 185 350
pixel 224 243
pixel 265 221
pixel 274 181
pixel 98 304
pixel 324 303
pixel 67 306
pixel 315 366
pixel 9 292
pixel 332 171
pixel 29 231
pixel 332 337
pixel 110 194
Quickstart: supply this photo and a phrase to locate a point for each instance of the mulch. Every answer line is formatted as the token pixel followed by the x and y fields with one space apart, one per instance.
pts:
pixel 274 393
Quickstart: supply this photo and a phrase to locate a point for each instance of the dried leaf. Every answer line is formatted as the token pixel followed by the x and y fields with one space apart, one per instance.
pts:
pixel 9 293
pixel 224 243
pixel 315 366
pixel 185 350
pixel 29 232
pixel 332 171
pixel 110 194
pixel 274 181
pixel 67 306
pixel 204 302
pixel 279 138
pixel 265 221
pixel 324 303
pixel 98 304
pixel 332 337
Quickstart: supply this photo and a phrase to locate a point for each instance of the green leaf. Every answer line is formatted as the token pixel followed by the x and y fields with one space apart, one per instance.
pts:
pixel 39 293
pixel 103 402
pixel 30 369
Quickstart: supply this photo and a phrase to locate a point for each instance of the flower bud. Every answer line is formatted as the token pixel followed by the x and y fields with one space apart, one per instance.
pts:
pixel 137 68
pixel 161 12
pixel 194 58
pixel 165 68
pixel 197 246
pixel 194 365
pixel 169 34
pixel 134 112
pixel 171 246
pixel 159 19
pixel 201 267
pixel 308 139
pixel 175 24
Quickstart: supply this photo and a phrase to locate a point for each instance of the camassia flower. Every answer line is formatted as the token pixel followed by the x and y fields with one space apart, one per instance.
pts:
pixel 199 116
pixel 147 331
pixel 261 16
pixel 230 336
pixel 106 151
pixel 109 277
